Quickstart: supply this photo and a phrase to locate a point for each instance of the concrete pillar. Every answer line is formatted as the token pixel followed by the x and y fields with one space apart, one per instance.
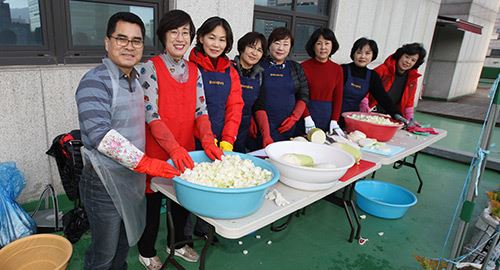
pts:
pixel 457 57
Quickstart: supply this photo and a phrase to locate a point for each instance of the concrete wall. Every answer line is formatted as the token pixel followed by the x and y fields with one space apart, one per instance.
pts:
pixel 473 48
pixel 38 101
pixel 446 46
pixel 495 41
pixel 391 23
pixel 37 104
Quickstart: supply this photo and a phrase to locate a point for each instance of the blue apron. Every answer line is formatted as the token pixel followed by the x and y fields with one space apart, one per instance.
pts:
pixel 250 92
pixel 217 86
pixel 280 98
pixel 321 113
pixel 355 89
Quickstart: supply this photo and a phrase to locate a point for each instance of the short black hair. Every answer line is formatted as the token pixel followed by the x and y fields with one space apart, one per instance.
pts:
pixel 251 38
pixel 326 34
pixel 280 33
pixel 126 17
pixel 360 43
pixel 411 49
pixel 172 20
pixel 208 26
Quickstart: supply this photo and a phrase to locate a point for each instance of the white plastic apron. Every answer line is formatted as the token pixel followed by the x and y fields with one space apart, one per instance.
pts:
pixel 125 187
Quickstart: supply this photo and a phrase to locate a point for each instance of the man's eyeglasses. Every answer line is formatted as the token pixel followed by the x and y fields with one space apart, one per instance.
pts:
pixel 123 42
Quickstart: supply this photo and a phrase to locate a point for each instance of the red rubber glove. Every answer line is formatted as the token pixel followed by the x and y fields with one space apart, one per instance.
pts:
pixel 181 159
pixel 290 121
pixel 252 130
pixel 167 141
pixel 156 167
pixel 207 138
pixel 263 123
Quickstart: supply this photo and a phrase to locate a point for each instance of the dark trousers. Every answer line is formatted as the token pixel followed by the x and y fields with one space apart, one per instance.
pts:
pixel 147 242
pixel 109 246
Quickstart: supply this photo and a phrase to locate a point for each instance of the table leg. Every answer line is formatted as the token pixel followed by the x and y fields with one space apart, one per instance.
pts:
pixel 351 224
pixel 413 164
pixel 282 226
pixel 353 207
pixel 170 259
pixel 300 212
pixel 208 241
pixel 343 202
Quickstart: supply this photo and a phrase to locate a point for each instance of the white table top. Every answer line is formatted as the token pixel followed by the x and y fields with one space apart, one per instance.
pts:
pixel 269 212
pixel 411 142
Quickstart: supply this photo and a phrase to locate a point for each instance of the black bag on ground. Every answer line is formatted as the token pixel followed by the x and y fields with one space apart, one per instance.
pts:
pixel 66 150
pixel 75 223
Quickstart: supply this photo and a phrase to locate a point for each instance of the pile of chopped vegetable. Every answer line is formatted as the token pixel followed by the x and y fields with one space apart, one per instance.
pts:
pixel 230 172
pixel 374 119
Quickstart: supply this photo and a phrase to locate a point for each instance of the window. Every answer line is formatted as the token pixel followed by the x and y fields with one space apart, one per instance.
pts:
pixel 88 21
pixel 20 23
pixel 24 31
pixel 67 31
pixel 495 53
pixel 302 17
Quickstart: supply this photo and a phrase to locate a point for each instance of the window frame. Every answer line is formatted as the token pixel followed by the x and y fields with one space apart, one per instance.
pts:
pixel 495 53
pixel 29 55
pixel 57 36
pixel 271 17
pixel 293 16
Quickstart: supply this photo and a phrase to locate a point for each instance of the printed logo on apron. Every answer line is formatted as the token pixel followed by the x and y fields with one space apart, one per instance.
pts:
pixel 357 86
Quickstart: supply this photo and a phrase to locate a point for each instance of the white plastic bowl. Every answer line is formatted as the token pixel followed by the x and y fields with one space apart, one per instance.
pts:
pixel 319 152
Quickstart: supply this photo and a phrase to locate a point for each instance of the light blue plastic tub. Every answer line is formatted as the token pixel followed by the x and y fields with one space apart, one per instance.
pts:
pixel 223 203
pixel 382 199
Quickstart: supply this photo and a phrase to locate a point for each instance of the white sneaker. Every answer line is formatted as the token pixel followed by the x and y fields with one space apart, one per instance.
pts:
pixel 153 263
pixel 186 252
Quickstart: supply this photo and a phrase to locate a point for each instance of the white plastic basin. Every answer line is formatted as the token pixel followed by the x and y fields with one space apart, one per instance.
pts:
pixel 319 152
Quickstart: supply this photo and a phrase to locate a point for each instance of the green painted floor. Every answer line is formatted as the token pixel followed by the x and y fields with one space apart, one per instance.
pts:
pixel 462 135
pixel 318 240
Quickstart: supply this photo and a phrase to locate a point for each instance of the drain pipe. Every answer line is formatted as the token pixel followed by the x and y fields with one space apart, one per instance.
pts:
pixel 468 205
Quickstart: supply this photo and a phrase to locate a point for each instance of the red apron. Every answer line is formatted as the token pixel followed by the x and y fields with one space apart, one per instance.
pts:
pixel 176 106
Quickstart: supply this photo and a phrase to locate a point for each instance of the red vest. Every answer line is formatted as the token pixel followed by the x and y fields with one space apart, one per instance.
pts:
pixel 177 107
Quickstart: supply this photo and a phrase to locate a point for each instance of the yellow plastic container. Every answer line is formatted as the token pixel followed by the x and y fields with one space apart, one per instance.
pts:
pixel 39 251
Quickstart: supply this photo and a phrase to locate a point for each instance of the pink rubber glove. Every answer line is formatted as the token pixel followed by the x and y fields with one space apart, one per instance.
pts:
pixel 363 106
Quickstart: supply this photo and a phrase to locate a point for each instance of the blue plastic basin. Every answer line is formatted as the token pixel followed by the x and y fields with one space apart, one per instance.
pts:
pixel 223 203
pixel 382 199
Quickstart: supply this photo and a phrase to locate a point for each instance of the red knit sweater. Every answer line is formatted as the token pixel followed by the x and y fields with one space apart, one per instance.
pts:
pixel 326 83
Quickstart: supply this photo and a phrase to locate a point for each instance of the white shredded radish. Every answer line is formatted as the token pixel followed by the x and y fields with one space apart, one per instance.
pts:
pixel 375 119
pixel 230 172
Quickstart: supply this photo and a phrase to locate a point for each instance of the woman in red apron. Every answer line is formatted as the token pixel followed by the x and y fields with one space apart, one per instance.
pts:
pixel 175 113
pixel 325 80
pixel 252 47
pixel 285 88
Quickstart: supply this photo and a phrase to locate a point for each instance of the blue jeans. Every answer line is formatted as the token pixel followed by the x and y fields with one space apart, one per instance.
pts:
pixel 109 246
